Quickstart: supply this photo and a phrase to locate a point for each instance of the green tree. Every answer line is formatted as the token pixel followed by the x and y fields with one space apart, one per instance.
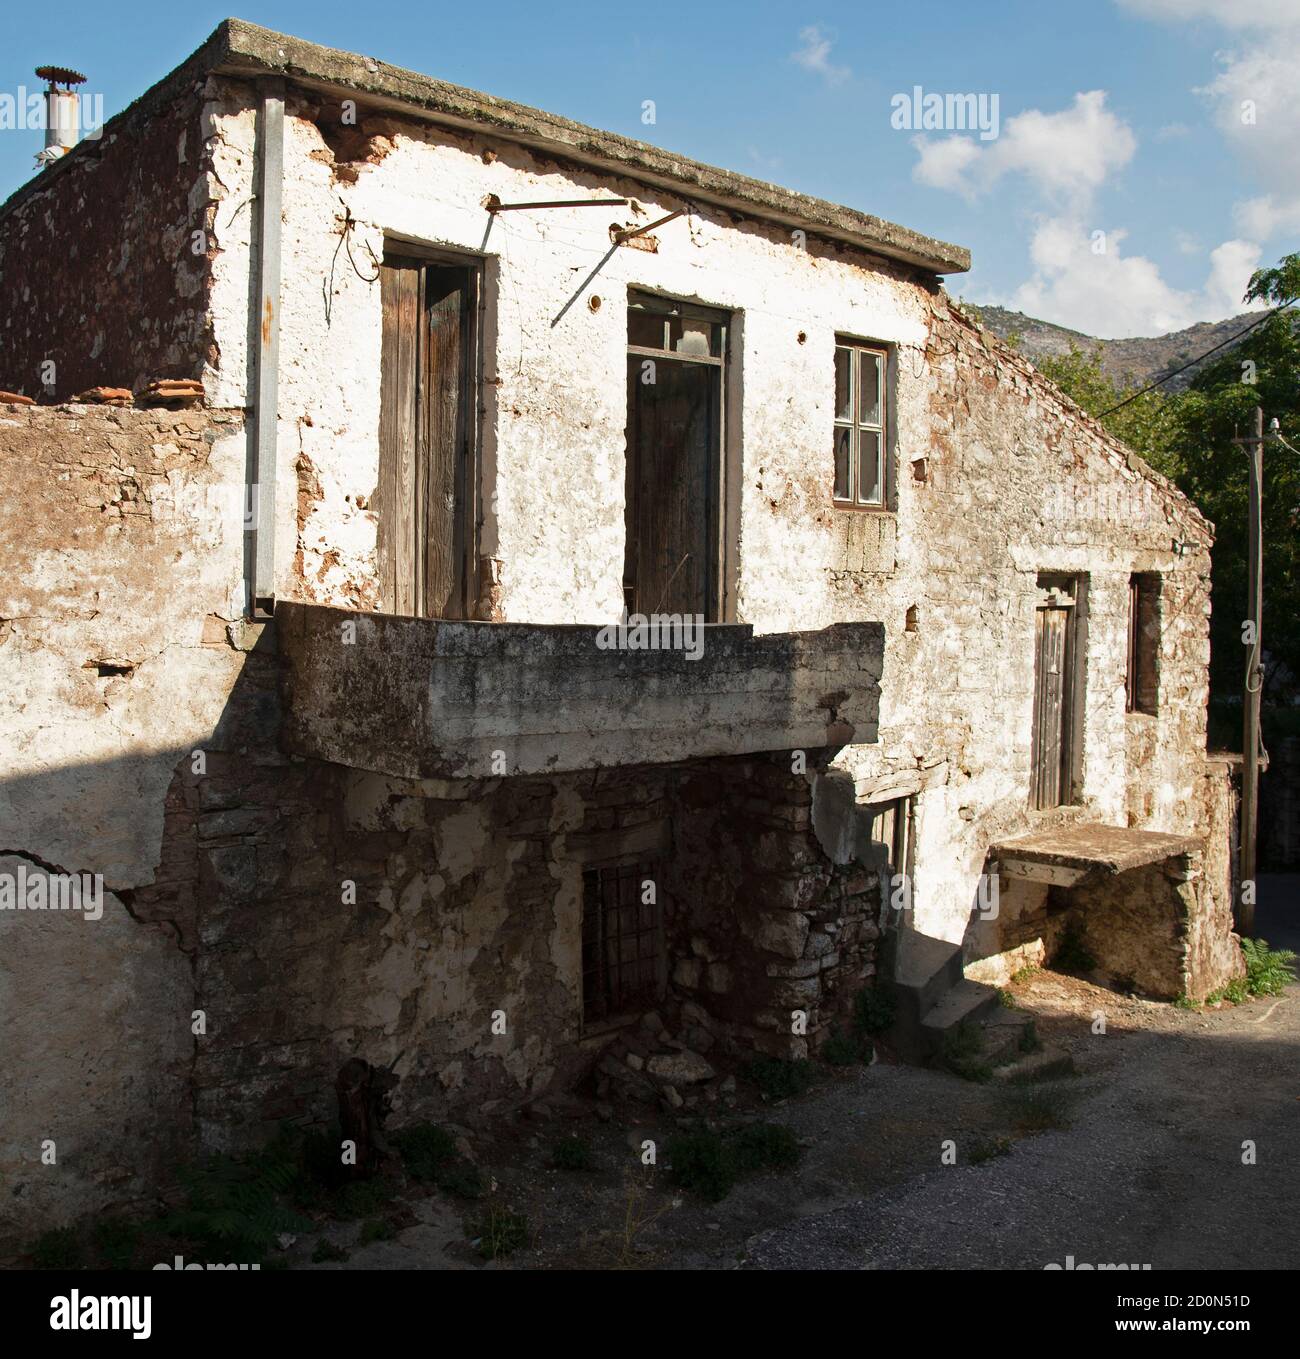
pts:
pixel 1145 422
pixel 1263 369
pixel 1188 436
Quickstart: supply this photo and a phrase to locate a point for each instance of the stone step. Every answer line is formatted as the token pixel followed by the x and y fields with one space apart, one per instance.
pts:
pixel 1003 1034
pixel 967 1003
pixel 1044 1065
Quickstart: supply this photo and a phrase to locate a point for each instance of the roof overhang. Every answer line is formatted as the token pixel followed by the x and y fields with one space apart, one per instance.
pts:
pixel 242 49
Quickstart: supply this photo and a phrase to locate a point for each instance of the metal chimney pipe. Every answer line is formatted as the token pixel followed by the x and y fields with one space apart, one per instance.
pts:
pixel 62 111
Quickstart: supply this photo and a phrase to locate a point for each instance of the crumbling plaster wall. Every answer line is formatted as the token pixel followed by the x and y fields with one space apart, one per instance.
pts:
pixel 120 558
pixel 998 476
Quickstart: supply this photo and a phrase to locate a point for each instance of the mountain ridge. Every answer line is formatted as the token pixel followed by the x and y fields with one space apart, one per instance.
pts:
pixel 1130 362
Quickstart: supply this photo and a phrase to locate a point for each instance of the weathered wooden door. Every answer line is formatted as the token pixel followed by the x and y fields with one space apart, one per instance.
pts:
pixel 674 486
pixel 671 458
pixel 1051 759
pixel 427 425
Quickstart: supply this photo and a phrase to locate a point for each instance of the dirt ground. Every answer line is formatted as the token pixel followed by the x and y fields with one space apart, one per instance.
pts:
pixel 1142 1160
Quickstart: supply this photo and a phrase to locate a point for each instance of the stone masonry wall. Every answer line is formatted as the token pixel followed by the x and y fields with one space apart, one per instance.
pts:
pixel 468 902
pixel 105 259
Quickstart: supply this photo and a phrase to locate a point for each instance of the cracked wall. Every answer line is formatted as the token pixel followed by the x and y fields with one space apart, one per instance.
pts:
pixel 120 575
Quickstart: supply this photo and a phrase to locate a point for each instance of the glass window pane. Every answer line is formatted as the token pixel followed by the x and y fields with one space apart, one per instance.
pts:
pixel 844 384
pixel 869 398
pixel 869 479
pixel 843 463
pixel 645 328
pixel 687 335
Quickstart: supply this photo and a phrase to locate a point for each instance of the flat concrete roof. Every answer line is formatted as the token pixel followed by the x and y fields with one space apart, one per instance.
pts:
pixel 1114 849
pixel 244 49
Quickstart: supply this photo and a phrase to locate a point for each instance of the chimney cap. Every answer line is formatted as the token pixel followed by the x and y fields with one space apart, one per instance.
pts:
pixel 60 75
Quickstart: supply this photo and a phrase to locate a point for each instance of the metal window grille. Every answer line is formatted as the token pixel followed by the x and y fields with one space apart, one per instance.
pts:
pixel 622 941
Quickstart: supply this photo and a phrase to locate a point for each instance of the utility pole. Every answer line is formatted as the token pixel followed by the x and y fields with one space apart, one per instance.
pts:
pixel 1254 448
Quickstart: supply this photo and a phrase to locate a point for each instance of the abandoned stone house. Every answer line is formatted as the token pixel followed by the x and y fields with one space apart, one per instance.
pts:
pixel 370 685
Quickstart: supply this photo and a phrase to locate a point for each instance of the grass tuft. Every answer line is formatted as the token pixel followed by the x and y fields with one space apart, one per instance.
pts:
pixel 709 1163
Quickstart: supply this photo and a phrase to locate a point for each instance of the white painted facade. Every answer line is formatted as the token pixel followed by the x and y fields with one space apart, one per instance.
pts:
pixel 1016 480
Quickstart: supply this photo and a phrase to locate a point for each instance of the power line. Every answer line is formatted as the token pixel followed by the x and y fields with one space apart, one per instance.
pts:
pixel 1200 358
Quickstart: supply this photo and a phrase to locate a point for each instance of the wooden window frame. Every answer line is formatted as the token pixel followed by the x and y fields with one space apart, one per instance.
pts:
pixel 1142 670
pixel 856 425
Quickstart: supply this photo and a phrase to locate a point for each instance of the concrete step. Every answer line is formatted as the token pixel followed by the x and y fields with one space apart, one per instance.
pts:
pixel 928 968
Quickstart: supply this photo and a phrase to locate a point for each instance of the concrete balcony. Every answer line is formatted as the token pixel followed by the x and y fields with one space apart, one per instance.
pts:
pixel 421 698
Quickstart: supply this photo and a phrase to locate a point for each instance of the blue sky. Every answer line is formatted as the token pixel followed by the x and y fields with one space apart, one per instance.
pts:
pixel 1127 118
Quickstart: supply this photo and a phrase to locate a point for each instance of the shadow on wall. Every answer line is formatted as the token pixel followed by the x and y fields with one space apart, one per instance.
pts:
pixel 99 993
pixel 299 914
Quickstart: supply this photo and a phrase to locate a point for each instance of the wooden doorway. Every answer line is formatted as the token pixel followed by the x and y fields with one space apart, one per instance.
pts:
pixel 428 437
pixel 673 560
pixel 1052 764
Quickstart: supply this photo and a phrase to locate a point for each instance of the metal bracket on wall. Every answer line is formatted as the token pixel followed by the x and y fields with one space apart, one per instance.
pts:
pixel 493 204
pixel 620 237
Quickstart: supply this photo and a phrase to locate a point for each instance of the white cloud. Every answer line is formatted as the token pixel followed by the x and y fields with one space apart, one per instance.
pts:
pixel 1259 14
pixel 1268 216
pixel 946 163
pixel 1066 155
pixel 1111 295
pixel 814 54
pixel 1231 265
pixel 1256 97
pixel 1256 100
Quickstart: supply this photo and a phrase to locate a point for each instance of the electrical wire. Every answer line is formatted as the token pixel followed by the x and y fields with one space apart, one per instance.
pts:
pixel 1200 358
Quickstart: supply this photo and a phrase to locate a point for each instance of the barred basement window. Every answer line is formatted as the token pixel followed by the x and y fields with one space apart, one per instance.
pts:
pixel 1141 682
pixel 623 961
pixel 861 425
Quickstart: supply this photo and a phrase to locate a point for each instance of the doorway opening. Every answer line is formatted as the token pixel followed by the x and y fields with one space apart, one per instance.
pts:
pixel 428 436
pixel 675 489
pixel 1053 765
